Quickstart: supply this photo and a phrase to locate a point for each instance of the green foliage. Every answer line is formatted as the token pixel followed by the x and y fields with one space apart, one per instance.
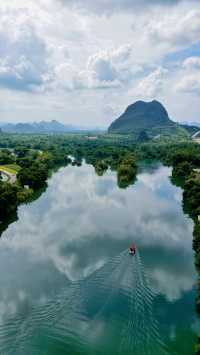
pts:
pixel 100 167
pixel 24 162
pixel 143 137
pixel 24 195
pixel 77 162
pixel 181 171
pixel 8 200
pixel 21 151
pixel 6 157
pixel 126 172
pixel 192 193
pixel 196 233
pixel 35 176
pixel 197 348
pixel 170 153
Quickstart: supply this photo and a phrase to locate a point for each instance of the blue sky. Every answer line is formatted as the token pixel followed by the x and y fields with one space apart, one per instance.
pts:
pixel 83 61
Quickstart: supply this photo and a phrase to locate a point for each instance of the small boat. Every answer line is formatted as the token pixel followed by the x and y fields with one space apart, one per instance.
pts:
pixel 132 249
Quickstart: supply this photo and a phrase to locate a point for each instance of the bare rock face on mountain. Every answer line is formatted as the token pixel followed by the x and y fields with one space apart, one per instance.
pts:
pixel 143 116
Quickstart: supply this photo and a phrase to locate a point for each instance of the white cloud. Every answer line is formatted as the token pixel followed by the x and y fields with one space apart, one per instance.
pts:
pixel 192 63
pixel 157 33
pixel 111 6
pixel 38 43
pixel 161 225
pixel 189 81
pixel 150 86
pixel 23 54
pixel 178 27
pixel 104 69
pixel 70 57
pixel 111 68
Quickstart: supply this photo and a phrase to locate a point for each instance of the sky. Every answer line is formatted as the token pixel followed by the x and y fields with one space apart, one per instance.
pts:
pixel 82 62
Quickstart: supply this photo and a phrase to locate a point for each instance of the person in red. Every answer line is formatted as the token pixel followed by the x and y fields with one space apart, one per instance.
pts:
pixel 132 249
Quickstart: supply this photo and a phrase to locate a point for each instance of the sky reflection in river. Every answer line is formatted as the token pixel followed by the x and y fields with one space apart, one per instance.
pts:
pixel 81 221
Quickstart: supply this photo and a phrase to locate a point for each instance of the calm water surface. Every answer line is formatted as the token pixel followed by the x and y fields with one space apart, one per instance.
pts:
pixel 68 285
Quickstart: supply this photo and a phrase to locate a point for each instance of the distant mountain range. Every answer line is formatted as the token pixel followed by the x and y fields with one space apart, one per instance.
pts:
pixel 149 118
pixel 40 127
pixel 143 119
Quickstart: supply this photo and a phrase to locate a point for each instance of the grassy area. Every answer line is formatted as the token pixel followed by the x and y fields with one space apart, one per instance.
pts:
pixel 10 169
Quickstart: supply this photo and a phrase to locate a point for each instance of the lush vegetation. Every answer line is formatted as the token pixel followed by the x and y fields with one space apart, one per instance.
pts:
pixel 126 172
pixel 34 157
pixel 186 173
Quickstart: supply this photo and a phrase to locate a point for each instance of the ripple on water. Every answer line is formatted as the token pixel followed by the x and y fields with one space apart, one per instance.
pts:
pixel 110 312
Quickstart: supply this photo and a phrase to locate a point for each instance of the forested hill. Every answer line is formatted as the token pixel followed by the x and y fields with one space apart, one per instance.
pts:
pixel 149 117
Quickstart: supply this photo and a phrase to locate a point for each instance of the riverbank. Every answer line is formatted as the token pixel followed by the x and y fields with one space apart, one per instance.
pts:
pixel 190 183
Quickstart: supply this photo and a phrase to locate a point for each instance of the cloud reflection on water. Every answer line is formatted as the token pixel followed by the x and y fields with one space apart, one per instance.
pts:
pixel 82 220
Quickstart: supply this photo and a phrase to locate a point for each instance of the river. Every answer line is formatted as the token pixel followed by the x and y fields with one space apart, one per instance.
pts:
pixel 68 284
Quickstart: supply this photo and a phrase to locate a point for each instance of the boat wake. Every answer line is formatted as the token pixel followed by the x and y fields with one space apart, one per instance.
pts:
pixel 127 313
pixel 109 312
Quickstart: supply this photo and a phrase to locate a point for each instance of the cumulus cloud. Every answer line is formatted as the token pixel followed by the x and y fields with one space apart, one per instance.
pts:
pixel 190 84
pixel 177 27
pixel 102 68
pixel 150 86
pixel 23 72
pixel 56 48
pixel 23 54
pixel 165 32
pixel 98 73
pixel 110 68
pixel 34 46
pixel 105 69
pixel 190 76
pixel 48 56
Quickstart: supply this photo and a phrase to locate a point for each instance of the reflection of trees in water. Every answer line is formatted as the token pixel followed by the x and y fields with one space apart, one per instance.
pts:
pixel 14 216
pixel 110 312
pixel 11 219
